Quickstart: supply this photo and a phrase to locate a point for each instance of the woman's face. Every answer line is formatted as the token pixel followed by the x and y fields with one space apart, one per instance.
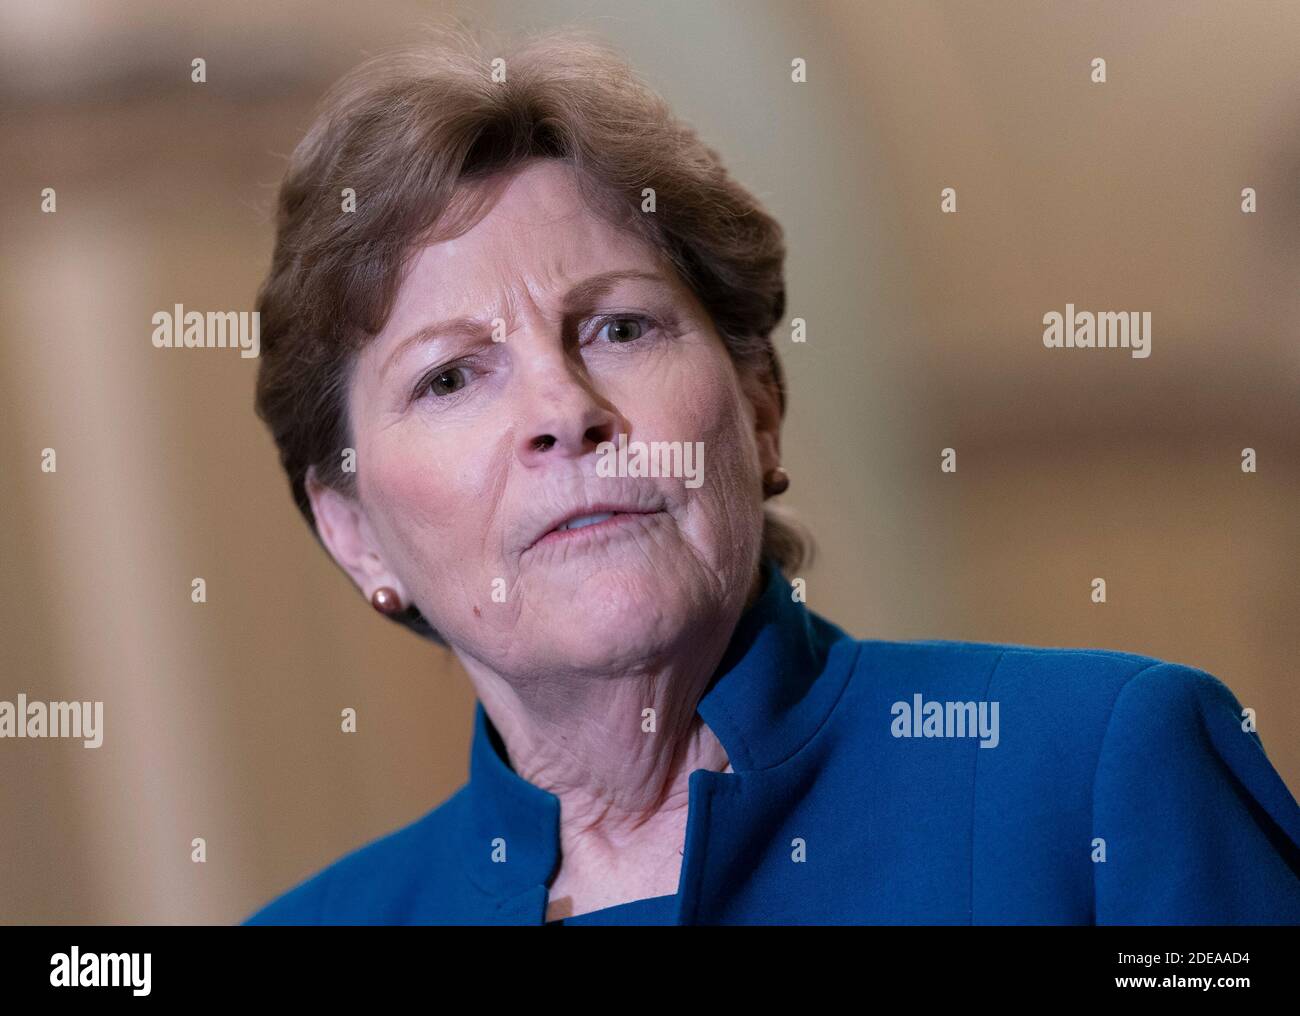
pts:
pixel 469 450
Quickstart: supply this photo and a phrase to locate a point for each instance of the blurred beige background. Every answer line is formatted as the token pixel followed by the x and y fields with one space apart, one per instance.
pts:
pixel 924 333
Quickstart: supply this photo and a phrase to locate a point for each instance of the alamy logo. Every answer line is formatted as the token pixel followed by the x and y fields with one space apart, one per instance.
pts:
pixel 1106 329
pixel 53 719
pixel 919 718
pixel 658 458
pixel 75 969
pixel 218 329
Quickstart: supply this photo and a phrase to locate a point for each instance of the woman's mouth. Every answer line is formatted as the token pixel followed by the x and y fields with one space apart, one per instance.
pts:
pixel 586 520
pixel 595 528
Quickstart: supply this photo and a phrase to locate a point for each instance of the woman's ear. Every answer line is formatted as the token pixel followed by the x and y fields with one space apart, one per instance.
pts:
pixel 761 390
pixel 347 534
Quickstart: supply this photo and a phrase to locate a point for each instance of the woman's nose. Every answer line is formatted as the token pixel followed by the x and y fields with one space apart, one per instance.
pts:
pixel 562 415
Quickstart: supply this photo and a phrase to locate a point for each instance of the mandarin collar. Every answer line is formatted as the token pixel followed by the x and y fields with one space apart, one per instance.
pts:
pixel 763 702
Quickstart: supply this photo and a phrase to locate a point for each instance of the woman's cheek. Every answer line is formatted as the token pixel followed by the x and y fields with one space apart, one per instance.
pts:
pixel 409 497
pixel 697 396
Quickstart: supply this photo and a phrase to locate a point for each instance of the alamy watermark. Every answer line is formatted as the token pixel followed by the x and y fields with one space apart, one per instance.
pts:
pixel 657 458
pixel 75 969
pixel 919 718
pixel 217 329
pixel 1106 329
pixel 53 719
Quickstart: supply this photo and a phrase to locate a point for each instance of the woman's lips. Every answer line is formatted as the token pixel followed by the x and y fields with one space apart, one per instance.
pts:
pixel 617 525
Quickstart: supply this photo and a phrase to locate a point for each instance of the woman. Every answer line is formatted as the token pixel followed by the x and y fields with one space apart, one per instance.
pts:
pixel 517 360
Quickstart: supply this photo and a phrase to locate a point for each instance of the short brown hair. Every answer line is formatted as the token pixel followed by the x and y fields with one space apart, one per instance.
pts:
pixel 411 132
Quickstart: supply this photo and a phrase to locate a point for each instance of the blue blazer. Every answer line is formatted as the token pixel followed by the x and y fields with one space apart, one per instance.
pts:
pixel 880 782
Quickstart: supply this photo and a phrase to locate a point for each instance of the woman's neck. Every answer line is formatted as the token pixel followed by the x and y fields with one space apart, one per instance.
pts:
pixel 618 752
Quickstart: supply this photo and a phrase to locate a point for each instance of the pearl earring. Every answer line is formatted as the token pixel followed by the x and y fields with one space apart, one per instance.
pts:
pixel 775 481
pixel 386 601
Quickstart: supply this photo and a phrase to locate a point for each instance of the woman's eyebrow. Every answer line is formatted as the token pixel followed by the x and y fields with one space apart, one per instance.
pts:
pixel 580 296
pixel 466 326
pixel 591 289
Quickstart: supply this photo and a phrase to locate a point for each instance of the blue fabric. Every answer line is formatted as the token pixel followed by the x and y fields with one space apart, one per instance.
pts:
pixel 655 910
pixel 1112 789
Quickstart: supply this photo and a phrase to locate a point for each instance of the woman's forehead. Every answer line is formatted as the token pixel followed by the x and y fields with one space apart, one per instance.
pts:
pixel 537 222
pixel 539 237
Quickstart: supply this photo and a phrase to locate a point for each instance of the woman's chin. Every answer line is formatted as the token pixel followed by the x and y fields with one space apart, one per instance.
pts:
pixel 603 625
pixel 587 653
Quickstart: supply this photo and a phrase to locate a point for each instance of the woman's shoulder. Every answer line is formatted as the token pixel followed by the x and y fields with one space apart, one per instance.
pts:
pixel 1081 709
pixel 1028 674
pixel 1123 735
pixel 364 885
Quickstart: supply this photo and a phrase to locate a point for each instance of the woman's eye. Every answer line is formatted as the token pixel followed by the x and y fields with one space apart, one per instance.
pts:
pixel 624 329
pixel 447 381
